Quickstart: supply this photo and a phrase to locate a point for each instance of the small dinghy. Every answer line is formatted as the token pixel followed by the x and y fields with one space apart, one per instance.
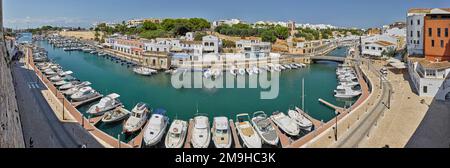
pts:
pixel 118 114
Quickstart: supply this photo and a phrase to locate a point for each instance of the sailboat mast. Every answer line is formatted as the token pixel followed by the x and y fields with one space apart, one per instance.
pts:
pixel 303 94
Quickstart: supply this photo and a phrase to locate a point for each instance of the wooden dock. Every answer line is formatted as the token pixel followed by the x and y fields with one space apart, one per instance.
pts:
pixel 336 108
pixel 187 144
pixel 78 104
pixel 284 139
pixel 237 143
pixel 96 120
pixel 315 122
pixel 137 141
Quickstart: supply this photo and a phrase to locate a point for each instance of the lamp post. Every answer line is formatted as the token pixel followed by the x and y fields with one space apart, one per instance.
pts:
pixel 336 127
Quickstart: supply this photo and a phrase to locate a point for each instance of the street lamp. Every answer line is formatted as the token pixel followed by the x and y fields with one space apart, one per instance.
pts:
pixel 336 127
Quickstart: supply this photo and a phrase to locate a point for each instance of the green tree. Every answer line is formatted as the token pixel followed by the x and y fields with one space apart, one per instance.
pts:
pixel 147 25
pixel 268 36
pixel 228 44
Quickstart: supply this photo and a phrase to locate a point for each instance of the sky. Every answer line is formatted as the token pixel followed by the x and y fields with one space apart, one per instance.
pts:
pixel 84 13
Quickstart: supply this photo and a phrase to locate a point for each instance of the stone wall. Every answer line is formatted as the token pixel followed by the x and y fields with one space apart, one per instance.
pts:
pixel 10 127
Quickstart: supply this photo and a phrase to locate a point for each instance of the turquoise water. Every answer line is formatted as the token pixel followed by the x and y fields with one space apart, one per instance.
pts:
pixel 107 77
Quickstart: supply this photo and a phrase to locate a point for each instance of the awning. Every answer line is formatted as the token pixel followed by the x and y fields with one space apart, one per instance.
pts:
pixel 398 65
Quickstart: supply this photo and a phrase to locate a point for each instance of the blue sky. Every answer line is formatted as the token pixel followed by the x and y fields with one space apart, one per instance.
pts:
pixel 347 13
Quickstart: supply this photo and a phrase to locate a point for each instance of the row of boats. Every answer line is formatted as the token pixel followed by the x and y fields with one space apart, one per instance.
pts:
pixel 255 70
pixel 348 86
pixel 253 132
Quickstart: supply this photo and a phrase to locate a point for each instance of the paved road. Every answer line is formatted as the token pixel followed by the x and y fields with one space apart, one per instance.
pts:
pixel 356 134
pixel 39 123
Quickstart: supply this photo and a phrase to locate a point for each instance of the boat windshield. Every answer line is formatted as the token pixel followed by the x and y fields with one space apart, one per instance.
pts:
pixel 221 131
pixel 174 135
pixel 137 115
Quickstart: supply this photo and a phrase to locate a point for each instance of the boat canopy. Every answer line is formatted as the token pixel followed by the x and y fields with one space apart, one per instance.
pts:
pixel 221 123
pixel 113 95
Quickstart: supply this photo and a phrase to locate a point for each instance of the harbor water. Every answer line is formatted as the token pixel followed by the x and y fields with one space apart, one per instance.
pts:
pixel 108 77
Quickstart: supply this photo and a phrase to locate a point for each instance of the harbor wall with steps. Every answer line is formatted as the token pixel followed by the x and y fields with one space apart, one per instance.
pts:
pixel 11 135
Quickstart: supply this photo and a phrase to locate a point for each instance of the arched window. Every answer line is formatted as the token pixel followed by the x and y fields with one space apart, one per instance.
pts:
pixel 211 44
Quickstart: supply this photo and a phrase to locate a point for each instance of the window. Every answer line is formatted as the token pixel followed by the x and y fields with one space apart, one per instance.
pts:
pixel 411 33
pixel 446 32
pixel 442 43
pixel 432 43
pixel 430 32
pixel 418 22
pixel 425 89
pixel 379 48
pixel 418 33
pixel 367 47
pixel 373 48
pixel 411 22
pixel 439 32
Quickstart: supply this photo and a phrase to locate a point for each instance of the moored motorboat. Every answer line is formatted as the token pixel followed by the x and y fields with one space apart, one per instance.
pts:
pixel 115 115
pixel 264 128
pixel 285 123
pixel 176 134
pixel 105 104
pixel 84 94
pixel 144 71
pixel 221 134
pixel 246 131
pixel 201 133
pixel 156 127
pixel 300 119
pixel 137 119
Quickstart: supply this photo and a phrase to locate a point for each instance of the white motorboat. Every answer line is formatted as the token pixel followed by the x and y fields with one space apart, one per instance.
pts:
pixel 102 54
pixel 293 66
pixel 177 134
pixel 287 66
pixel 115 115
pixel 74 88
pixel 93 52
pixel 144 71
pixel 255 70
pixel 156 127
pixel 69 85
pixel 241 71
pixel 221 133
pixel 201 133
pixel 347 79
pixel 84 94
pixel 298 116
pixel 60 83
pixel 105 104
pixel 233 70
pixel 279 66
pixel 137 118
pixel 299 65
pixel 216 73
pixel 207 74
pixel 264 128
pixel 349 84
pixel 249 71
pixel 346 92
pixel 285 123
pixel 246 131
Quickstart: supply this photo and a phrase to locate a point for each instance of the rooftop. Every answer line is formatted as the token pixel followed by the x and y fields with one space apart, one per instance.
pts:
pixel 430 64
pixel 384 43
pixel 426 10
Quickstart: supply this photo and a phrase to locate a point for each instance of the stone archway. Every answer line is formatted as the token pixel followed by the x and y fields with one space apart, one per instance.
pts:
pixel 445 95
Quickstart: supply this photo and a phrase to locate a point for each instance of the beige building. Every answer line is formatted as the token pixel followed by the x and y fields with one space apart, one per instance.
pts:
pixel 156 60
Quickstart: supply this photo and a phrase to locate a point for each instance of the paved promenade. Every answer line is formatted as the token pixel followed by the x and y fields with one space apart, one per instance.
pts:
pixel 41 127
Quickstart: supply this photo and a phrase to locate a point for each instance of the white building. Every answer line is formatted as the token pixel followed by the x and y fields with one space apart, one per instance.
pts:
pixel 211 44
pixel 414 38
pixel 375 45
pixel 253 48
pixel 430 79
pixel 229 22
